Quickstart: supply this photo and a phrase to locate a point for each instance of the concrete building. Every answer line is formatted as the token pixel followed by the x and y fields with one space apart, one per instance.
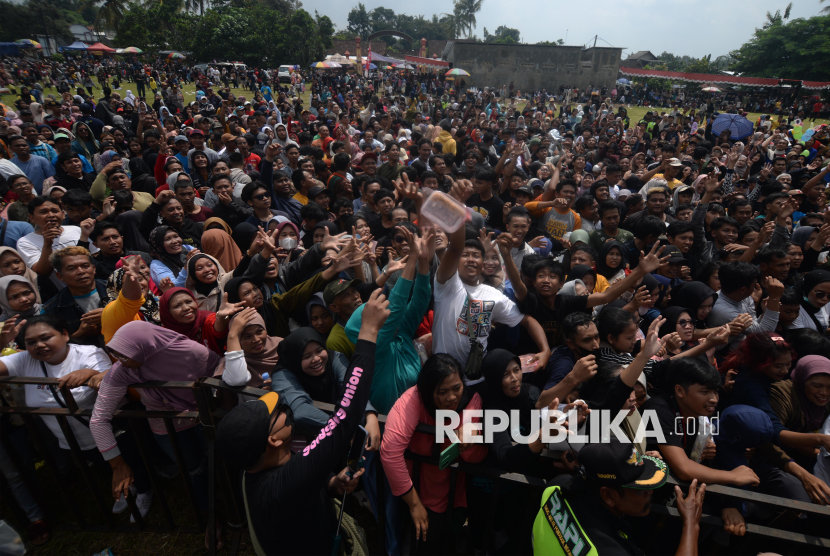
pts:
pixel 535 67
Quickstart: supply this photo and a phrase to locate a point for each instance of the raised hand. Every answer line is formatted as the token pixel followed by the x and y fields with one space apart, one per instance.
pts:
pixel 10 329
pixel 691 507
pixel 108 208
pixel 227 309
pixel 412 240
pixel 505 242
pixel 462 190
pixel 765 171
pixel 333 242
pixel 165 284
pixel 240 321
pixel 164 196
pixel 652 261
pixel 486 239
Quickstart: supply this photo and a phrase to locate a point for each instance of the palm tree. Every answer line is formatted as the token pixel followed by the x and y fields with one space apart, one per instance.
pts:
pixel 109 13
pixel 772 19
pixel 826 9
pixel 465 11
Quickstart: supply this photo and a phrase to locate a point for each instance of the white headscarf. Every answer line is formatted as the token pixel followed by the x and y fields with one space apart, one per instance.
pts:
pixel 130 98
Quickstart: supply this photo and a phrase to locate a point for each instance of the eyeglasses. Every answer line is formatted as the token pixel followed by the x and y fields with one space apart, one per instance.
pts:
pixel 261 196
pixel 399 239
pixel 686 322
pixel 820 295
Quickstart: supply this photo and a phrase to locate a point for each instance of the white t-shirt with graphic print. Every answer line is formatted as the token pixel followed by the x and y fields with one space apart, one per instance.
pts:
pixel 449 326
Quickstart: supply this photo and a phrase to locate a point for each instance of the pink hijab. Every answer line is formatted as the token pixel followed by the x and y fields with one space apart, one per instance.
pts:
pixel 164 355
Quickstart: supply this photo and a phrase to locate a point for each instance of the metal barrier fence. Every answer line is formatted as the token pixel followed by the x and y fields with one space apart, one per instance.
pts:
pixel 220 476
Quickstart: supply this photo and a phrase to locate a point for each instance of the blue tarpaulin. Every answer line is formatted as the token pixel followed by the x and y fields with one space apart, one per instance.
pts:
pixel 9 49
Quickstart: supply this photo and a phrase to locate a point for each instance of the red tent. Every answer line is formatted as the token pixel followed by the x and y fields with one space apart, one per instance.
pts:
pixel 98 47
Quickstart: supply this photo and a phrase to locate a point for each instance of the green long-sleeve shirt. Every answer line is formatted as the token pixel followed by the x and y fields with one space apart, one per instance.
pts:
pixel 397 363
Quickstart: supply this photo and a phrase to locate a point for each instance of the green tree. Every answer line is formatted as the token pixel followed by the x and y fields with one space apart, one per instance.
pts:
pixel 826 9
pixel 789 50
pixel 465 12
pixel 504 35
pixel 557 42
pixel 359 21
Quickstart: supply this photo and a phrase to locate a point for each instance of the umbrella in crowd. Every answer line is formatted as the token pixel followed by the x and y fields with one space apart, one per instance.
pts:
pixel 134 50
pixel 175 55
pixel 457 72
pixel 623 81
pixel 325 65
pixel 28 43
pixel 739 126
pixel 711 89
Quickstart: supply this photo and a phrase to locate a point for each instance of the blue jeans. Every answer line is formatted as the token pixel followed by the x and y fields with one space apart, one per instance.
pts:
pixel 194 449
pixel 394 506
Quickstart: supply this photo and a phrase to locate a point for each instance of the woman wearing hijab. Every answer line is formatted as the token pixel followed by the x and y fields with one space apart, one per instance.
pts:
pixel 85 142
pixel 698 299
pixel 37 112
pixel 11 264
pixel 206 279
pixel 129 289
pixel 179 311
pixel 679 325
pixel 612 262
pixel 307 372
pixel 18 300
pixel 507 392
pixel 440 386
pixel 169 256
pixel 319 316
pixel 814 293
pixel 244 290
pixel 145 352
pixel 251 352
pixel 218 244
pixel 588 277
pixel 802 403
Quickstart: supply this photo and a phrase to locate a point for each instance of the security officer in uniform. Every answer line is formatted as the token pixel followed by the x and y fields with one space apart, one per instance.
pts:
pixel 584 515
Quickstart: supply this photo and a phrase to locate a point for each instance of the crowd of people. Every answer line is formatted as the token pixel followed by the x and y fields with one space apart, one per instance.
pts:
pixel 647 267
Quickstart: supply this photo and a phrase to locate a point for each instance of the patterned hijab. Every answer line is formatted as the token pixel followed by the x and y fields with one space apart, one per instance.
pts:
pixel 149 310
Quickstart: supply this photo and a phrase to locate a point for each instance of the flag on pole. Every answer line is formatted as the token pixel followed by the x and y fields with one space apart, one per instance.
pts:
pixel 368 58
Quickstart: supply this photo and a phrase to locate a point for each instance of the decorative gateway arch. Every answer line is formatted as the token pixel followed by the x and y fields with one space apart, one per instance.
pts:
pixel 423 63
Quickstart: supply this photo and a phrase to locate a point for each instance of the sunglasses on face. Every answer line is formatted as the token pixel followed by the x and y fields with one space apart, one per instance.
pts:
pixel 686 322
pixel 820 295
pixel 261 196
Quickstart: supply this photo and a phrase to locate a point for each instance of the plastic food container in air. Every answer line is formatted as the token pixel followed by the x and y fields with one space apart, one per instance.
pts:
pixel 444 211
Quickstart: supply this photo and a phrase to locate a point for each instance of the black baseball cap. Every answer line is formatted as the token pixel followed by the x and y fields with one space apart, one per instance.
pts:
pixel 616 464
pixel 674 254
pixel 242 435
pixel 525 189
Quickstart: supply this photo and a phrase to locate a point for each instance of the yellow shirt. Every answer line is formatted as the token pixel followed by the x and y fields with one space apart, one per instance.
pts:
pixel 118 313
pixel 672 183
pixel 301 198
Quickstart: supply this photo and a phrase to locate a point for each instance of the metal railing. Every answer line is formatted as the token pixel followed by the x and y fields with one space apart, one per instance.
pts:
pixel 223 478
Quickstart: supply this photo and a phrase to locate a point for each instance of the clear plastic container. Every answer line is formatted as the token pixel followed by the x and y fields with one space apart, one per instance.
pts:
pixel 444 211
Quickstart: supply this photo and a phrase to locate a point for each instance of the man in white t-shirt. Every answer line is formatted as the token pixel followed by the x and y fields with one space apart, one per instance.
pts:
pixel 47 218
pixel 457 280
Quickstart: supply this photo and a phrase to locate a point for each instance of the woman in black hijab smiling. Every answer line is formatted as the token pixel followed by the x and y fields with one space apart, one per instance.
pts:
pixel 306 373
pixel 814 292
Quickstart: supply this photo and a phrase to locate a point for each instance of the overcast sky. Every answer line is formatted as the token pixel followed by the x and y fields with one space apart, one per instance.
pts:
pixel 692 27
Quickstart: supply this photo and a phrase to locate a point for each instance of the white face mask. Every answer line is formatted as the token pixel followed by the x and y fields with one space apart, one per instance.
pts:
pixel 288 243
